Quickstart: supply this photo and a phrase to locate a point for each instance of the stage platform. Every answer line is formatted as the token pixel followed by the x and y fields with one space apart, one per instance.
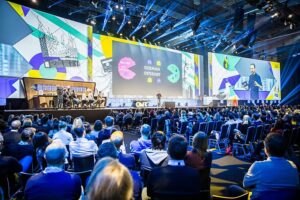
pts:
pixel 91 114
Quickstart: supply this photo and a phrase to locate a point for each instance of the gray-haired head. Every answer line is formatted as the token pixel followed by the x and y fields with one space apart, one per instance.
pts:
pixel 16 124
pixel 55 154
pixel 145 130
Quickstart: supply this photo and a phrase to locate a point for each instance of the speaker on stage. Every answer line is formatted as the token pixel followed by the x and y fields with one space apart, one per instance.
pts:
pixel 168 104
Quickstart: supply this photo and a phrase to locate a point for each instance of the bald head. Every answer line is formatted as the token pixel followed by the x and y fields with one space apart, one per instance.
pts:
pixel 16 124
pixel 55 153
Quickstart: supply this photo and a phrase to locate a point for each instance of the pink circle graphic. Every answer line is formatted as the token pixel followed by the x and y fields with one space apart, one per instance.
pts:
pixel 124 68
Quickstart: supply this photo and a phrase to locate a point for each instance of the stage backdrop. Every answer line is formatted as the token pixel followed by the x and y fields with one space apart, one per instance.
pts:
pixel 229 77
pixel 40 45
pixel 124 68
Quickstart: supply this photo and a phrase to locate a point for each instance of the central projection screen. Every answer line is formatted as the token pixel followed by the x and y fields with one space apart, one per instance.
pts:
pixel 139 70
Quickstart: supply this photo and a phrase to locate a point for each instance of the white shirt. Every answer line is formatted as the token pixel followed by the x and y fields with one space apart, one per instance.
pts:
pixel 172 162
pixel 64 136
pixel 83 148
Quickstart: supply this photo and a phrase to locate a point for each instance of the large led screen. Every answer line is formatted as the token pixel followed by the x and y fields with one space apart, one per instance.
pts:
pixel 237 78
pixel 123 68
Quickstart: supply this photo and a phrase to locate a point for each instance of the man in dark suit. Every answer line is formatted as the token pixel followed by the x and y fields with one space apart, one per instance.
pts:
pixel 254 83
pixel 175 181
pixel 13 136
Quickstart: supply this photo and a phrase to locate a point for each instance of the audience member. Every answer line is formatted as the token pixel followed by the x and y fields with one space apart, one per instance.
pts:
pixel 175 181
pixel 136 146
pixel 82 147
pixel 110 180
pixel 13 136
pixel 200 159
pixel 62 134
pixel 54 182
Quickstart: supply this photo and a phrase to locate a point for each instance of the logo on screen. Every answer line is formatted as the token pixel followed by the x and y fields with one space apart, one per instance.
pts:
pixel 124 68
pixel 175 73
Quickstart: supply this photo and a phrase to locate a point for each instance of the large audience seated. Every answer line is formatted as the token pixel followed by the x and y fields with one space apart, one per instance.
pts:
pixel 169 157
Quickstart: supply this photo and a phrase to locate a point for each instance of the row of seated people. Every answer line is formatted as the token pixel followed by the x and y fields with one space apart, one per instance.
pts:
pixel 77 123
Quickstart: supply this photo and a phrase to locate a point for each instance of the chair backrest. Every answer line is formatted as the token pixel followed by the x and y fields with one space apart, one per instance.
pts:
pixel 223 131
pixel 282 194
pixel 83 163
pixel 258 133
pixel 203 195
pixel 231 129
pixel 153 124
pixel 183 127
pixel 240 197
pixel 202 126
pixel 128 121
pixel 195 128
pixel 210 126
pixel 250 134
pixel 218 125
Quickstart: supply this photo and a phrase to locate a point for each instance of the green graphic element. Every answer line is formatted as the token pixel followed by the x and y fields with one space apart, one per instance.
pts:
pixel 228 62
pixel 175 76
pixel 48 73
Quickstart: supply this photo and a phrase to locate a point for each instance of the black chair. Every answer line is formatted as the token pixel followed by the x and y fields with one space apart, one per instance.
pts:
pixel 128 122
pixel 137 121
pixel 195 128
pixel 251 131
pixel 145 120
pixel 218 125
pixel 259 130
pixel 83 176
pixel 202 126
pixel 153 125
pixel 203 195
pixel 209 127
pixel 282 194
pixel 223 134
pixel 183 128
pixel 81 164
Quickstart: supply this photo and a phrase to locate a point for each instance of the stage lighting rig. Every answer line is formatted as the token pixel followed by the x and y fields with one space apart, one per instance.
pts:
pixel 95 3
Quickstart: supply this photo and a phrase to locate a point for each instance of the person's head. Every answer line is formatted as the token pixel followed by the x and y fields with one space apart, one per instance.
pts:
pixel 26 134
pixel 109 121
pixel 107 149
pixel 117 139
pixel 158 140
pixel 177 147
pixel 275 145
pixel 40 140
pixel 246 119
pixel 62 125
pixel 145 130
pixel 256 116
pixel 15 125
pixel 79 132
pixel 44 120
pixel 252 68
pixel 77 123
pixel 27 122
pixel 110 180
pixel 55 124
pixel 55 154
pixel 87 127
pixel 98 125
pixel 200 142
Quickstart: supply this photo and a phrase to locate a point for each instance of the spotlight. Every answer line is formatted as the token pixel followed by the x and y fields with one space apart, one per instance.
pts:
pixel 117 6
pixel 113 18
pixel 275 15
pixel 121 7
pixel 157 29
pixel 291 26
pixel 290 16
pixel 93 22
pixel 34 1
pixel 121 34
pixel 129 22
pixel 144 25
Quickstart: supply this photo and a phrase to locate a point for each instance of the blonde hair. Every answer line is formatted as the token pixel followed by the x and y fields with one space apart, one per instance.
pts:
pixel 200 143
pixel 112 181
pixel 77 123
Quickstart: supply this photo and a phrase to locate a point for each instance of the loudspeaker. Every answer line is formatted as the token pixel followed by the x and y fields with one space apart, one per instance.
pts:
pixel 169 104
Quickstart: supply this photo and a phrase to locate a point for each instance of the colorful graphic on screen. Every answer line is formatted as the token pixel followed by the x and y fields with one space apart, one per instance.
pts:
pixel 41 45
pixel 175 73
pixel 237 78
pixel 124 66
